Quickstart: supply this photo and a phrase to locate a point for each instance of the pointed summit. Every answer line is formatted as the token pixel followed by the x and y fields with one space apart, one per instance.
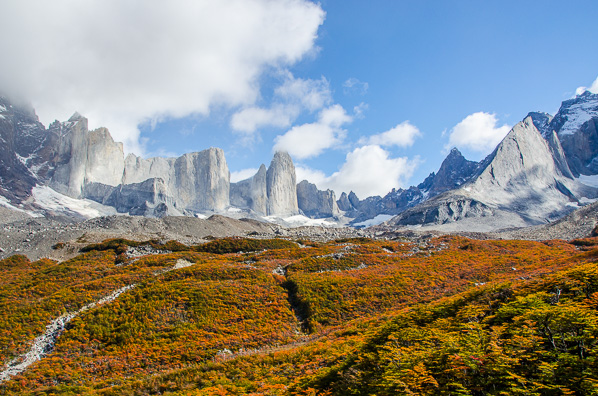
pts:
pixel 454 171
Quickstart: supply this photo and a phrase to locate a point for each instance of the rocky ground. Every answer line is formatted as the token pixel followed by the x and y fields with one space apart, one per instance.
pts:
pixel 61 238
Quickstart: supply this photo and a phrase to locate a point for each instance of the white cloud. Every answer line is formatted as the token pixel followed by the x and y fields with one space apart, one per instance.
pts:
pixel 123 63
pixel 311 94
pixel 355 87
pixel 290 98
pixel 403 135
pixel 367 171
pixel 314 176
pixel 242 174
pixel 360 109
pixel 478 132
pixel 593 88
pixel 248 120
pixel 310 140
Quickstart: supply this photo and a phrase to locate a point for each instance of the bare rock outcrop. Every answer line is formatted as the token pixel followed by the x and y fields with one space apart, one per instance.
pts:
pixel 270 192
pixel 576 124
pixel 316 203
pixel 251 193
pixel 281 186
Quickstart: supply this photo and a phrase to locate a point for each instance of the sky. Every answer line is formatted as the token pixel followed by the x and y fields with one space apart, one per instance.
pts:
pixel 365 96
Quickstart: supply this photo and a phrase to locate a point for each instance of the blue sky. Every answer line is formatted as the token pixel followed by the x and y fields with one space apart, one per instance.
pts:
pixel 364 95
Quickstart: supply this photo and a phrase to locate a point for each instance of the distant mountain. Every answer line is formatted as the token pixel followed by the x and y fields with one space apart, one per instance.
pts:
pixel 83 164
pixel 454 171
pixel 527 180
pixel 534 176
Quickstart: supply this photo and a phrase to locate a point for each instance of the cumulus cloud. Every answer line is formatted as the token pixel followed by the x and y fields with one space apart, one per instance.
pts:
pixel 478 132
pixel 402 135
pixel 292 97
pixel 124 63
pixel 593 88
pixel 242 174
pixel 367 171
pixel 310 140
pixel 314 176
pixel 248 120
pixel 311 94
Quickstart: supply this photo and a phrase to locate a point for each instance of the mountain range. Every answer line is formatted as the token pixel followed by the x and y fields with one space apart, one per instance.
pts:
pixel 543 169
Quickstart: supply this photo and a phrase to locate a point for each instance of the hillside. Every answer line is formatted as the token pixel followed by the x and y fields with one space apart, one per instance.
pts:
pixel 445 315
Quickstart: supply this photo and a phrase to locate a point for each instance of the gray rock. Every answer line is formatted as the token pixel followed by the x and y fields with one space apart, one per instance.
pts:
pixel 521 183
pixel 315 203
pixel 576 125
pixel 281 186
pixel 105 159
pixel 202 181
pixel 71 161
pixel 149 198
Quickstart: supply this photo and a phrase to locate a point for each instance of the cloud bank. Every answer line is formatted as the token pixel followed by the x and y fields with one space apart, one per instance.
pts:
pixel 125 63
pixel 478 132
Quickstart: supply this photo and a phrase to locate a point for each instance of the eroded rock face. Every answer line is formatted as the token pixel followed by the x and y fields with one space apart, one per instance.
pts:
pixel 71 158
pixel 105 158
pixel 16 180
pixel 576 125
pixel 149 198
pixel 281 186
pixel 315 203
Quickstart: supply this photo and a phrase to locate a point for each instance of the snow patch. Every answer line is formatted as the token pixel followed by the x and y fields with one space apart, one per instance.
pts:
pixel 381 218
pixel 6 203
pixel 300 220
pixel 52 200
pixel 591 180
pixel 578 114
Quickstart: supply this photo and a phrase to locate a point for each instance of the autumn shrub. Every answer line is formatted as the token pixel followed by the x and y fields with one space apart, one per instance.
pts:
pixel 236 245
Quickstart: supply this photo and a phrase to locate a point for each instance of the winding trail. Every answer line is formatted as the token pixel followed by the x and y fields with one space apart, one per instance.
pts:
pixel 44 344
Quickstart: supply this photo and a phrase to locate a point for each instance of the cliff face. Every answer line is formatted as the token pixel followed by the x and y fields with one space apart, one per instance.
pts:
pixel 576 125
pixel 270 192
pixel 281 186
pixel 316 203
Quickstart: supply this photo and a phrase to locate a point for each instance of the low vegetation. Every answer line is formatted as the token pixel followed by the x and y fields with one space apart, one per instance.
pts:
pixel 448 316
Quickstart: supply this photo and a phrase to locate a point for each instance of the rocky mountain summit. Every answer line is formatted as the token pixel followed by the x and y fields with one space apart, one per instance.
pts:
pixel 529 179
pixel 84 164
pixel 453 172
pixel 541 171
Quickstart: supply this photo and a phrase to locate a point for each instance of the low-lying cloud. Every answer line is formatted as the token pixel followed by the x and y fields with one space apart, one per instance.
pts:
pixel 125 63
